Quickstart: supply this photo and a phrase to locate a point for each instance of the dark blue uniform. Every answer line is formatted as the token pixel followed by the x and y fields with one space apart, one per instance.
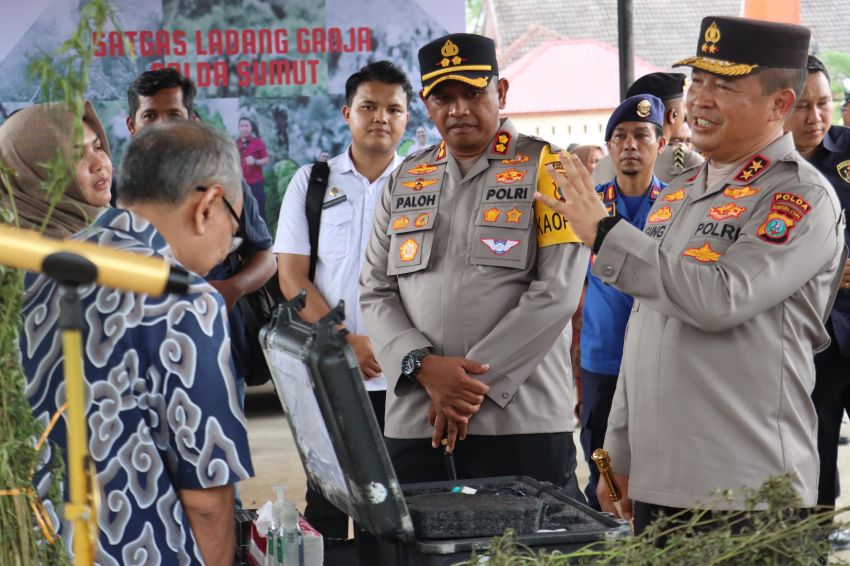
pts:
pixel 257 239
pixel 831 395
pixel 606 312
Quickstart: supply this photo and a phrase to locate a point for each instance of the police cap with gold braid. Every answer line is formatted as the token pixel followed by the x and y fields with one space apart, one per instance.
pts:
pixel 734 47
pixel 463 57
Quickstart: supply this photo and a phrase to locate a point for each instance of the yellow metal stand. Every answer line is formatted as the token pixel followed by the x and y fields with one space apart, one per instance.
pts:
pixel 79 509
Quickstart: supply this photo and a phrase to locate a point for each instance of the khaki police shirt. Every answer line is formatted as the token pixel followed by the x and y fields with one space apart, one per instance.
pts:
pixel 471 267
pixel 670 163
pixel 733 284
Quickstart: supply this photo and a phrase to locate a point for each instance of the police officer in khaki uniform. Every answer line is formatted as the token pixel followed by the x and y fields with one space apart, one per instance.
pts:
pixel 468 287
pixel 733 277
pixel 670 88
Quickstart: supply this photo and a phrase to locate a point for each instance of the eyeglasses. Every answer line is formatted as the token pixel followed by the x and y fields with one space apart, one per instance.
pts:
pixel 239 236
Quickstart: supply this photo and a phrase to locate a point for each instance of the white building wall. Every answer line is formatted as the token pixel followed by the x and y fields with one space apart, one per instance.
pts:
pixel 566 128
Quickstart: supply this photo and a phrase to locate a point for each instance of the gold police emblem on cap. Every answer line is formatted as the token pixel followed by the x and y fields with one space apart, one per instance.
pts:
pixel 712 37
pixel 450 49
pixel 643 108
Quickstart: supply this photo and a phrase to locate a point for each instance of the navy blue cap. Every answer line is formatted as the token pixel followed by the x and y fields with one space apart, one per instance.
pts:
pixel 639 108
pixel 464 57
pixel 665 86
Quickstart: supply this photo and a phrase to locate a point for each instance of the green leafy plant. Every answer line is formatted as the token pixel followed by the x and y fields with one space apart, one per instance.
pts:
pixel 63 78
pixel 764 533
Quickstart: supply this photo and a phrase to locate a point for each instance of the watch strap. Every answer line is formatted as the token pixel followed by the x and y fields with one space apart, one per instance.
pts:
pixel 605 225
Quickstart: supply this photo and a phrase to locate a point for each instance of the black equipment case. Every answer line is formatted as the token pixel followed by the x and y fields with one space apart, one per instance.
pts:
pixel 318 382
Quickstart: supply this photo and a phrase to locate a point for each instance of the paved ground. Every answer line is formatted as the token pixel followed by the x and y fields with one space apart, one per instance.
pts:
pixel 276 460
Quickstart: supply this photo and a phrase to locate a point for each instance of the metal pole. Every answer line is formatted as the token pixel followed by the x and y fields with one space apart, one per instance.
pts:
pixel 626 44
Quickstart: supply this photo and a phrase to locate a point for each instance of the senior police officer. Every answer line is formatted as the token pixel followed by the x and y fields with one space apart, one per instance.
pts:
pixel 634 142
pixel 731 295
pixel 828 149
pixel 468 287
pixel 670 88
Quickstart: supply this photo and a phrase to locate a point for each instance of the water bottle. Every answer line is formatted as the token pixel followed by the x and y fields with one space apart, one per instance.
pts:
pixel 293 549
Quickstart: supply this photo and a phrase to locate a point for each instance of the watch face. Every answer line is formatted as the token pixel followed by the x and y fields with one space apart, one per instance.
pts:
pixel 407 364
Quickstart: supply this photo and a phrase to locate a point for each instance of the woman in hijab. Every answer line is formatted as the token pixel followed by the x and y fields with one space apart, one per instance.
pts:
pixel 589 156
pixel 29 139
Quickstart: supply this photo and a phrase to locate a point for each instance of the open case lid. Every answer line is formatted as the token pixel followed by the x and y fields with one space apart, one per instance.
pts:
pixel 317 378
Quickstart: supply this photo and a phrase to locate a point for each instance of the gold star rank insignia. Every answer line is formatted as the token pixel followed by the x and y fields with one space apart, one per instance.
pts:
pixel 503 139
pixel 512 216
pixel 753 169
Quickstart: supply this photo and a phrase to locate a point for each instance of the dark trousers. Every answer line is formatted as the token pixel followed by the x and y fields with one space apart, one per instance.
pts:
pixel 321 513
pixel 258 189
pixel 598 392
pixel 545 457
pixel 647 513
pixel 831 397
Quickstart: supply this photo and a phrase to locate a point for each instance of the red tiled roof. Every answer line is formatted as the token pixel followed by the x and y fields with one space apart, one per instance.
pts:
pixel 567 75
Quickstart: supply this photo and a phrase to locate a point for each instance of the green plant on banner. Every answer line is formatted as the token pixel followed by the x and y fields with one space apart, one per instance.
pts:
pixel 63 77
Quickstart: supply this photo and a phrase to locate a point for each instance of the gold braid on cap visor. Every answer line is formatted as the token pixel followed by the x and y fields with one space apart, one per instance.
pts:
pixel 717 66
pixel 480 82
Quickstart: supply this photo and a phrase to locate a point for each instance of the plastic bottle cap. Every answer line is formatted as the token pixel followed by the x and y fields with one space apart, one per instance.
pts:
pixel 280 490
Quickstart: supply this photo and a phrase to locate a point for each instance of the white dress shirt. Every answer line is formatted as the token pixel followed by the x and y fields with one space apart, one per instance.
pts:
pixel 343 235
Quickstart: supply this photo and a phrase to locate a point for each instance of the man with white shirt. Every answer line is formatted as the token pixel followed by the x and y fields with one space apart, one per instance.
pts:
pixel 376 111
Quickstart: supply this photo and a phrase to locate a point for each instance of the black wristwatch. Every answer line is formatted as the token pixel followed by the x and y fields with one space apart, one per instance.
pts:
pixel 605 225
pixel 412 363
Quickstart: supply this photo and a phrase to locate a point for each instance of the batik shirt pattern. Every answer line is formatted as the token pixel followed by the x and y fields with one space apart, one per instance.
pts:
pixel 160 400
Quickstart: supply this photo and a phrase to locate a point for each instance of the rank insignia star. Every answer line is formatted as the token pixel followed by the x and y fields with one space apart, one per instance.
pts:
pixel 422 220
pixel 728 210
pixel 661 215
pixel 512 216
pixel 422 169
pixel 499 247
pixel 740 192
pixel 419 183
pixel 407 250
pixel 753 169
pixel 491 215
pixel 678 194
pixel 703 254
pixel 502 141
pixel 401 222
pixel 510 176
